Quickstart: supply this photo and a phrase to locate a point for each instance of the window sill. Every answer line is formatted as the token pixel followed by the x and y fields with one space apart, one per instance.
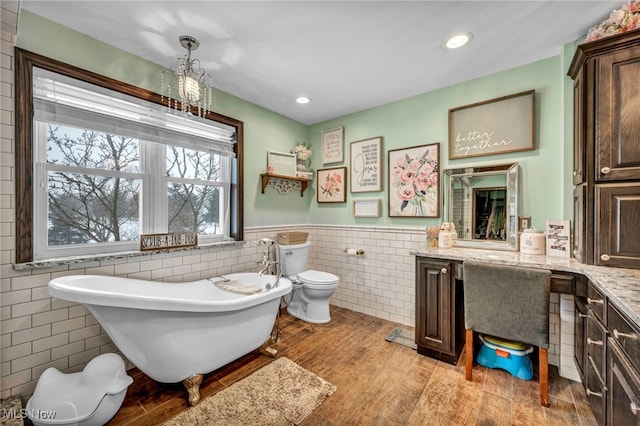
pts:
pixel 70 260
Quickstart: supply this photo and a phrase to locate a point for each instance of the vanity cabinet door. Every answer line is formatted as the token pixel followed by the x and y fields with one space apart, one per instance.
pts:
pixel 623 354
pixel 580 335
pixel 582 226
pixel 596 391
pixel 595 367
pixel 435 309
pixel 623 390
pixel 617 209
pixel 618 116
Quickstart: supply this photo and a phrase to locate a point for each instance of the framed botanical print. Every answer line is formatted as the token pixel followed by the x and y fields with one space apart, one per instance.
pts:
pixel 331 185
pixel 414 181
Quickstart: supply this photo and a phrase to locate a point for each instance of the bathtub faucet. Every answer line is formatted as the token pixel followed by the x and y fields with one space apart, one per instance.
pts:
pixel 266 262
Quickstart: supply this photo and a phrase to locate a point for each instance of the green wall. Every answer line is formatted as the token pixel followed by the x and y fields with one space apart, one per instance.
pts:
pixel 419 120
pixel 423 119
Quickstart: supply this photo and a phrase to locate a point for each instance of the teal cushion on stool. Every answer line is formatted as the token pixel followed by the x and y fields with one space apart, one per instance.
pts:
pixel 517 362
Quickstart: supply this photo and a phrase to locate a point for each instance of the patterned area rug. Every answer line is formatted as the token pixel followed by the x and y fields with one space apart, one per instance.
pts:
pixel 281 393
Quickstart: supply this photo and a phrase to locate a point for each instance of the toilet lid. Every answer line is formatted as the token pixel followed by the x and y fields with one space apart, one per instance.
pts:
pixel 317 277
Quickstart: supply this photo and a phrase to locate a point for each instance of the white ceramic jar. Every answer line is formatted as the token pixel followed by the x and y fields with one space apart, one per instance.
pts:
pixel 445 239
pixel 533 241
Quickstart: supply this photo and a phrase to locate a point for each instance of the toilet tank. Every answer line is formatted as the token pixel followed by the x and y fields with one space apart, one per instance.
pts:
pixel 293 258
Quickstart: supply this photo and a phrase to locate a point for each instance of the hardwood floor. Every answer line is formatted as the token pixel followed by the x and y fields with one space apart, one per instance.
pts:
pixel 378 383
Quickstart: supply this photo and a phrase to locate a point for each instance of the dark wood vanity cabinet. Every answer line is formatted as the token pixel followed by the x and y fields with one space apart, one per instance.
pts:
pixel 580 330
pixel 439 310
pixel 623 386
pixel 607 351
pixel 595 371
pixel 440 306
pixel 624 389
pixel 606 95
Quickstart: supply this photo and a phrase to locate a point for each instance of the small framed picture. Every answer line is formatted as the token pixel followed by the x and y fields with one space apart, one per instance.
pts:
pixel 558 238
pixel 366 165
pixel 333 146
pixel 366 208
pixel 524 223
pixel 281 163
pixel 331 185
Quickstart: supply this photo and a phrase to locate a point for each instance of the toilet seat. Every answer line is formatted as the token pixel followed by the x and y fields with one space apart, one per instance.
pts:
pixel 318 278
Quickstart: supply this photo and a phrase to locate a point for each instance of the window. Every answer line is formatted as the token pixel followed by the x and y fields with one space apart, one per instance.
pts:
pixel 107 166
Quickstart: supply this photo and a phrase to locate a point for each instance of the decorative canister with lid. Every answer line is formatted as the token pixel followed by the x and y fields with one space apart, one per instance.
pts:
pixel 533 241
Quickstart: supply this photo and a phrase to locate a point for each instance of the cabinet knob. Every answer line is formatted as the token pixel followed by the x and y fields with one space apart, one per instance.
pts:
pixel 590 393
pixel 594 301
pixel 575 173
pixel 605 170
pixel 618 335
pixel 582 315
pixel 634 408
pixel 605 257
pixel 444 270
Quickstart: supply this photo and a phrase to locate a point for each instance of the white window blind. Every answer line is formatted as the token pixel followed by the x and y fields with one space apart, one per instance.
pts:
pixel 60 99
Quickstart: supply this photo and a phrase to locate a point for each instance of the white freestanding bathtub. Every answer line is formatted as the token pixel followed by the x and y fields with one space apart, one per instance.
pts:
pixel 178 331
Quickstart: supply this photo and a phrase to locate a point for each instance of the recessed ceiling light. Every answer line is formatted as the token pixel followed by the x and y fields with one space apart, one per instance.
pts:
pixel 458 40
pixel 303 100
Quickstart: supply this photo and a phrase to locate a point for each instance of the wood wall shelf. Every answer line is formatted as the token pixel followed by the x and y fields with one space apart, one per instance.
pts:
pixel 284 184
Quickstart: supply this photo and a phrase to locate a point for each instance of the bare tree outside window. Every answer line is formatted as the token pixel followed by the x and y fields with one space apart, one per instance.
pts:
pixel 90 206
pixel 194 205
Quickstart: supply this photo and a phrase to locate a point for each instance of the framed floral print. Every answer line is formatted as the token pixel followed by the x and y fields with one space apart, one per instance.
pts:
pixel 331 185
pixel 414 181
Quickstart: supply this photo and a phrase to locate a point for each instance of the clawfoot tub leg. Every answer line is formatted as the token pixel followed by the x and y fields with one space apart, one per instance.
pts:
pixel 193 386
pixel 275 337
pixel 267 350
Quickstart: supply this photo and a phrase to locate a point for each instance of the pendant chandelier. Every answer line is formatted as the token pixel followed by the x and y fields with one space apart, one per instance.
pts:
pixel 192 90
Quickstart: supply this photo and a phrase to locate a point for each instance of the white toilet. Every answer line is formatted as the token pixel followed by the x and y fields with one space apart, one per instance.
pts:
pixel 311 289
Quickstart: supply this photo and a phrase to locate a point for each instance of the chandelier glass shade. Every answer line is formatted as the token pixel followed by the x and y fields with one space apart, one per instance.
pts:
pixel 192 92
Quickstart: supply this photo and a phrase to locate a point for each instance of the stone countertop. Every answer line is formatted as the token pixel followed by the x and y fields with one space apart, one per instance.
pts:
pixel 621 286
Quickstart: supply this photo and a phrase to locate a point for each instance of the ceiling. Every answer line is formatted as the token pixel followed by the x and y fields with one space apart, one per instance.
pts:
pixel 345 56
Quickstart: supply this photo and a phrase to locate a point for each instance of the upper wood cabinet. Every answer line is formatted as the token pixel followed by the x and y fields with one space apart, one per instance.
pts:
pixel 606 96
pixel 618 115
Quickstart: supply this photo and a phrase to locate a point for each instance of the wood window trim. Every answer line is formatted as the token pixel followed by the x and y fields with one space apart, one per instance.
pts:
pixel 24 63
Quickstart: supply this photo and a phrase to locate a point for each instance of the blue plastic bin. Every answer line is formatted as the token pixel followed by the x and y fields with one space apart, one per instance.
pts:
pixel 507 355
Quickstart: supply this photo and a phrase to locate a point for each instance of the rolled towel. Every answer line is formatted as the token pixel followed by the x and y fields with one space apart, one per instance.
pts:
pixel 238 287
